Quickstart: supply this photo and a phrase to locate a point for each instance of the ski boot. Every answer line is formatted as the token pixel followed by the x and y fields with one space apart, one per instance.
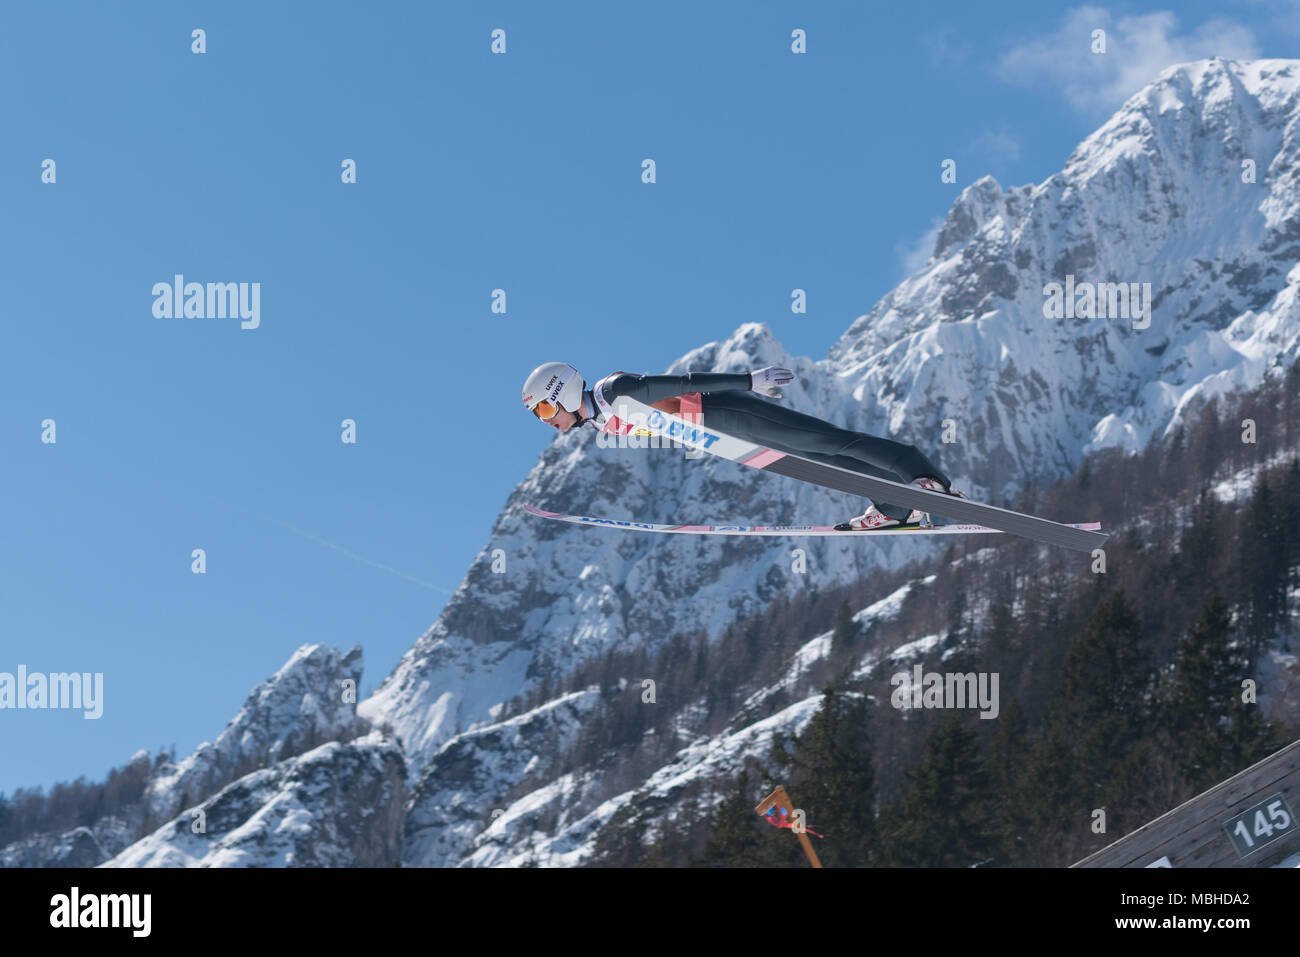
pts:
pixel 873 518
pixel 934 485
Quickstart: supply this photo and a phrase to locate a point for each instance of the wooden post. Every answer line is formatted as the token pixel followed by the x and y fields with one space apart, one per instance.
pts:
pixel 779 799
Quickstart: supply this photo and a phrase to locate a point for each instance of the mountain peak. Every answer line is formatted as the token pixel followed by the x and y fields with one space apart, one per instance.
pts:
pixel 303 703
pixel 978 203
pixel 751 346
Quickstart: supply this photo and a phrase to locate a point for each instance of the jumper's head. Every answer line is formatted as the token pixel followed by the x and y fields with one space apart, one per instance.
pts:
pixel 553 393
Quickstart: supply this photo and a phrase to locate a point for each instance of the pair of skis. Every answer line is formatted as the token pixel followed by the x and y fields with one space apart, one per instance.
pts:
pixel 977 518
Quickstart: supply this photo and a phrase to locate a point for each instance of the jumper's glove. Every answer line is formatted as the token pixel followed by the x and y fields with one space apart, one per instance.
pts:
pixel 767 380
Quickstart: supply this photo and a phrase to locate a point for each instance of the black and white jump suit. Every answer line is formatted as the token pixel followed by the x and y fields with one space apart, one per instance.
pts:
pixel 728 405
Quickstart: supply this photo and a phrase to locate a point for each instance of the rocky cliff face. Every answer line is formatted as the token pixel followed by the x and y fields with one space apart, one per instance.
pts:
pixel 79 847
pixel 338 805
pixel 1190 188
pixel 447 811
pixel 310 700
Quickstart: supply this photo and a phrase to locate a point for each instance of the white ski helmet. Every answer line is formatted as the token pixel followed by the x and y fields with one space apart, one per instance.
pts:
pixel 556 384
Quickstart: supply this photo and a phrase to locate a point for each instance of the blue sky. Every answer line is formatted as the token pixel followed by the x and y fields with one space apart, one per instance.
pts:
pixel 474 172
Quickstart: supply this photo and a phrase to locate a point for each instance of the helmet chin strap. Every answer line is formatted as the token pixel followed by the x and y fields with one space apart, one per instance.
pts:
pixel 578 413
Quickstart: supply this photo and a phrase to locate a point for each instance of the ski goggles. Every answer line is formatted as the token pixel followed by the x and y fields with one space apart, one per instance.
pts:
pixel 545 410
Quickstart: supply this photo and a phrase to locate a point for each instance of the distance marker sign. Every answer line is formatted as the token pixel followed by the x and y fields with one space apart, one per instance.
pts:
pixel 1260 825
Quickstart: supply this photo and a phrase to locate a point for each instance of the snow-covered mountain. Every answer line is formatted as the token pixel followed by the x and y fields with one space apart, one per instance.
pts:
pixel 1191 187
pixel 311 699
pixel 447 814
pixel 338 805
pixel 309 702
pixel 1156 195
pixel 1160 194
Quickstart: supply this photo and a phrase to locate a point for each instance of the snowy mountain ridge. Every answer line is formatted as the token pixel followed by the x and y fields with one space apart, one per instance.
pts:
pixel 303 702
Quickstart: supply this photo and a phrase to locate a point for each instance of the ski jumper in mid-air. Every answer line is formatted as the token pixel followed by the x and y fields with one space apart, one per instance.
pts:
pixel 557 394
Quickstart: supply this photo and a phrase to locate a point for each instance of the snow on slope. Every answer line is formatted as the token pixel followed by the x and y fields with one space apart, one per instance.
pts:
pixel 467 781
pixel 300 706
pixel 80 847
pixel 338 805
pixel 819 647
pixel 513 840
pixel 1155 195
pixel 303 701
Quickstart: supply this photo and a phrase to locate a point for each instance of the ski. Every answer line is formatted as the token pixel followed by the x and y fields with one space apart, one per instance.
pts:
pixel 772 530
pixel 699 436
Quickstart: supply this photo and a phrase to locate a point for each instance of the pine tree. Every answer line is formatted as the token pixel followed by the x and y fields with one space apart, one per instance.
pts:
pixel 1205 458
pixel 701 660
pixel 830 777
pixel 1102 710
pixel 1199 546
pixel 959 628
pixel 621 840
pixel 1193 693
pixel 1263 571
pixel 1289 517
pixel 845 629
pixel 1000 637
pixel 1008 753
pixel 946 817
pixel 1213 733
pixel 738 838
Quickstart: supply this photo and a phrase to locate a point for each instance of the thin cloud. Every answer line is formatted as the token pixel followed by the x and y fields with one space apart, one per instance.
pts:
pixel 997 147
pixel 1137 48
pixel 945 48
pixel 915 255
